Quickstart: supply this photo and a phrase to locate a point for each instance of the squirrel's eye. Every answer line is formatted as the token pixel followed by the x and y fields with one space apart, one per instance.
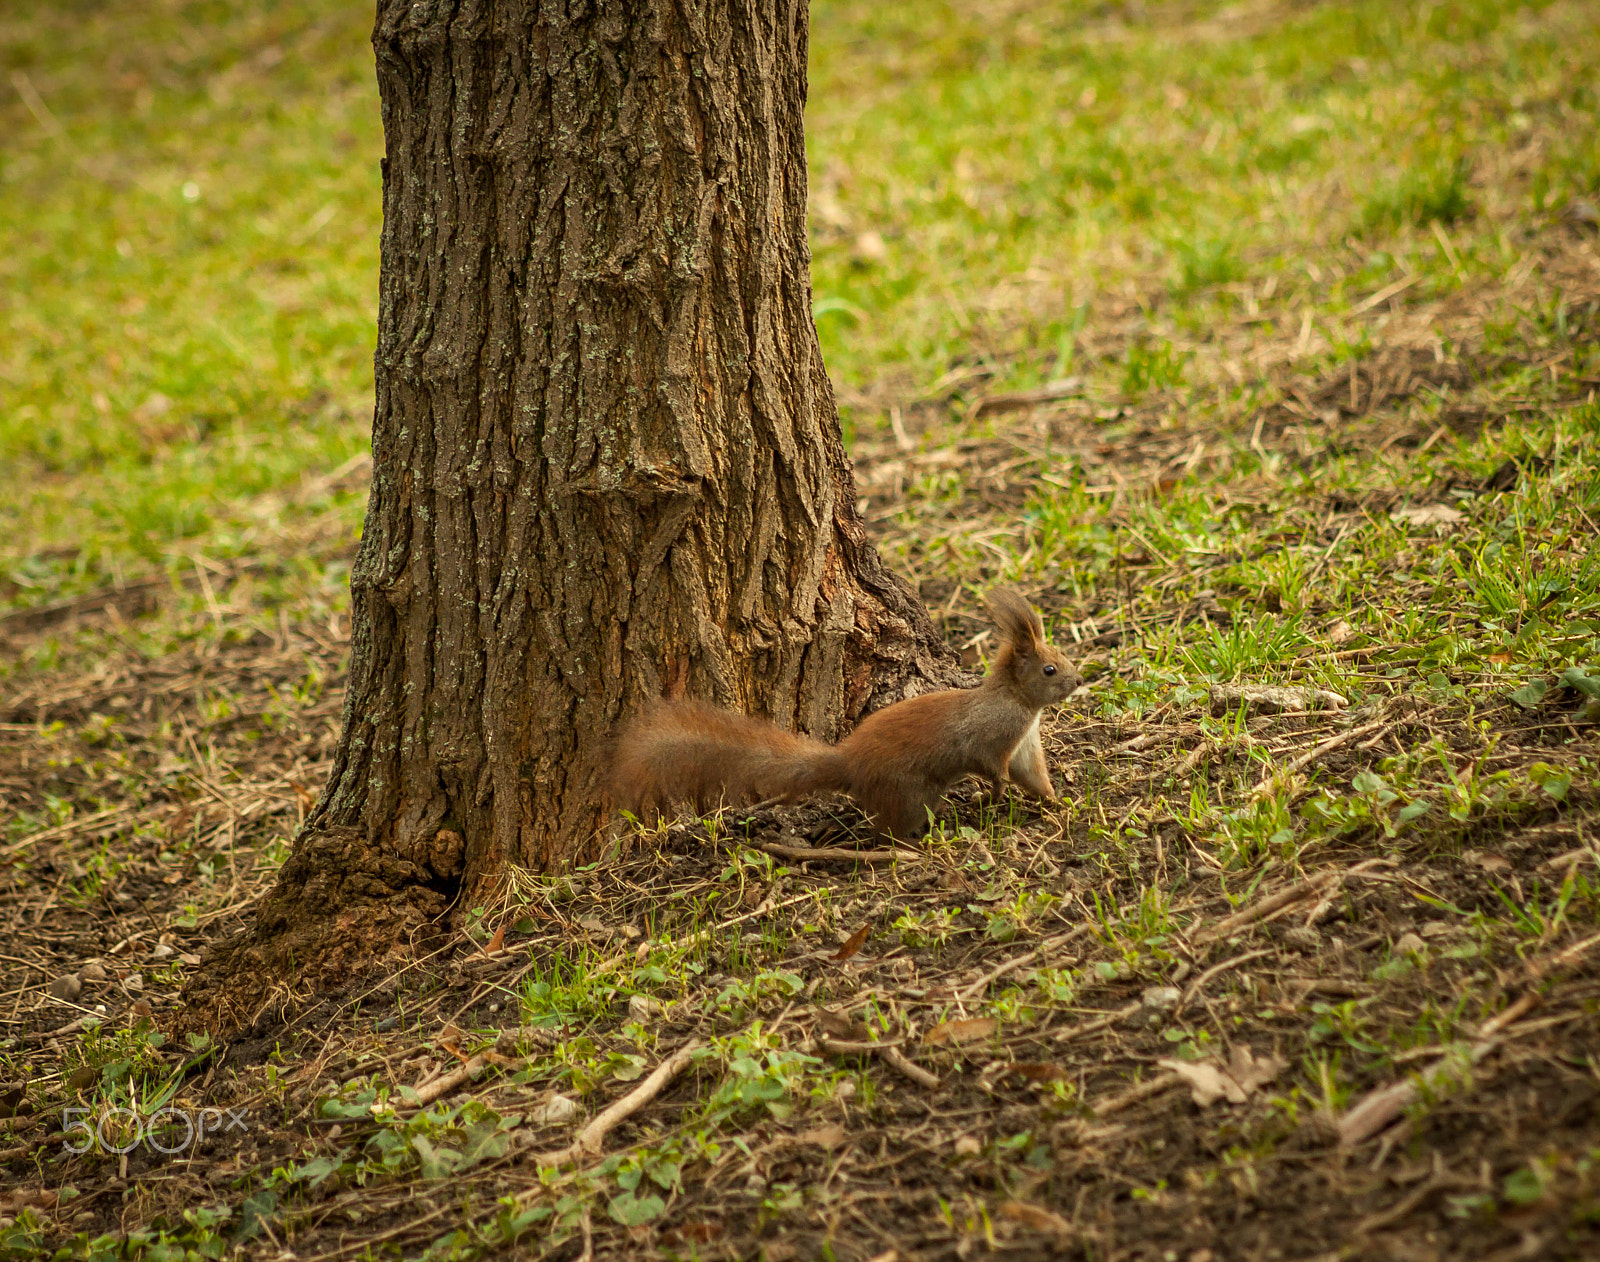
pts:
pixel 1049 670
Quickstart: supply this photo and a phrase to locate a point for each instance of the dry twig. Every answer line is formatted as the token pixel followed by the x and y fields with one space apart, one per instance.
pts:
pixel 593 1135
pixel 1381 1106
pixel 1132 1096
pixel 890 1053
pixel 1316 752
pixel 1298 892
pixel 1194 986
pixel 805 854
pixel 1095 1026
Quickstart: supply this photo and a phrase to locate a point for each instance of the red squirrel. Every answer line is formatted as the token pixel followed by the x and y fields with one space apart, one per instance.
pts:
pixel 897 764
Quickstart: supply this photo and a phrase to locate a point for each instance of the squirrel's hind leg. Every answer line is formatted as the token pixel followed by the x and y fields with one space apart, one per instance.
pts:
pixel 901 811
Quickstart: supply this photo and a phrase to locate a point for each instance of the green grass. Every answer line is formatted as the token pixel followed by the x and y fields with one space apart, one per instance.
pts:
pixel 1016 161
pixel 190 220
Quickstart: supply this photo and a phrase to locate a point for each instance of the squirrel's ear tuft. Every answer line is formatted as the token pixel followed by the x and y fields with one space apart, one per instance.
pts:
pixel 1018 621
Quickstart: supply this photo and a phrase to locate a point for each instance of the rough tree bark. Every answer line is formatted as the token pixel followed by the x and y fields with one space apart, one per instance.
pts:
pixel 606 459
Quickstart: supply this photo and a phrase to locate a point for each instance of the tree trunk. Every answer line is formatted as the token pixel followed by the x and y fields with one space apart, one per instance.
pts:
pixel 606 460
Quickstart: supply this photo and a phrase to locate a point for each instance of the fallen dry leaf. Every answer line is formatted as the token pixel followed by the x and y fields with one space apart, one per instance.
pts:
pixel 870 247
pixel 43 1198
pixel 1209 1082
pixel 1038 1070
pixel 837 1025
pixel 1272 699
pixel 557 1109
pixel 1036 1217
pixel 1427 515
pixel 450 1040
pixel 963 1031
pixel 1249 1072
pixel 853 943
pixel 829 1136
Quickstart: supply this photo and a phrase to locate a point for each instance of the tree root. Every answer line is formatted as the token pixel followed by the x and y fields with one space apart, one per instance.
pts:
pixel 341 905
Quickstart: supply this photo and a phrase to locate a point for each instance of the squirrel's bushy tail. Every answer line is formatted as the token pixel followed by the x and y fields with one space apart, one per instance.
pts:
pixel 687 751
